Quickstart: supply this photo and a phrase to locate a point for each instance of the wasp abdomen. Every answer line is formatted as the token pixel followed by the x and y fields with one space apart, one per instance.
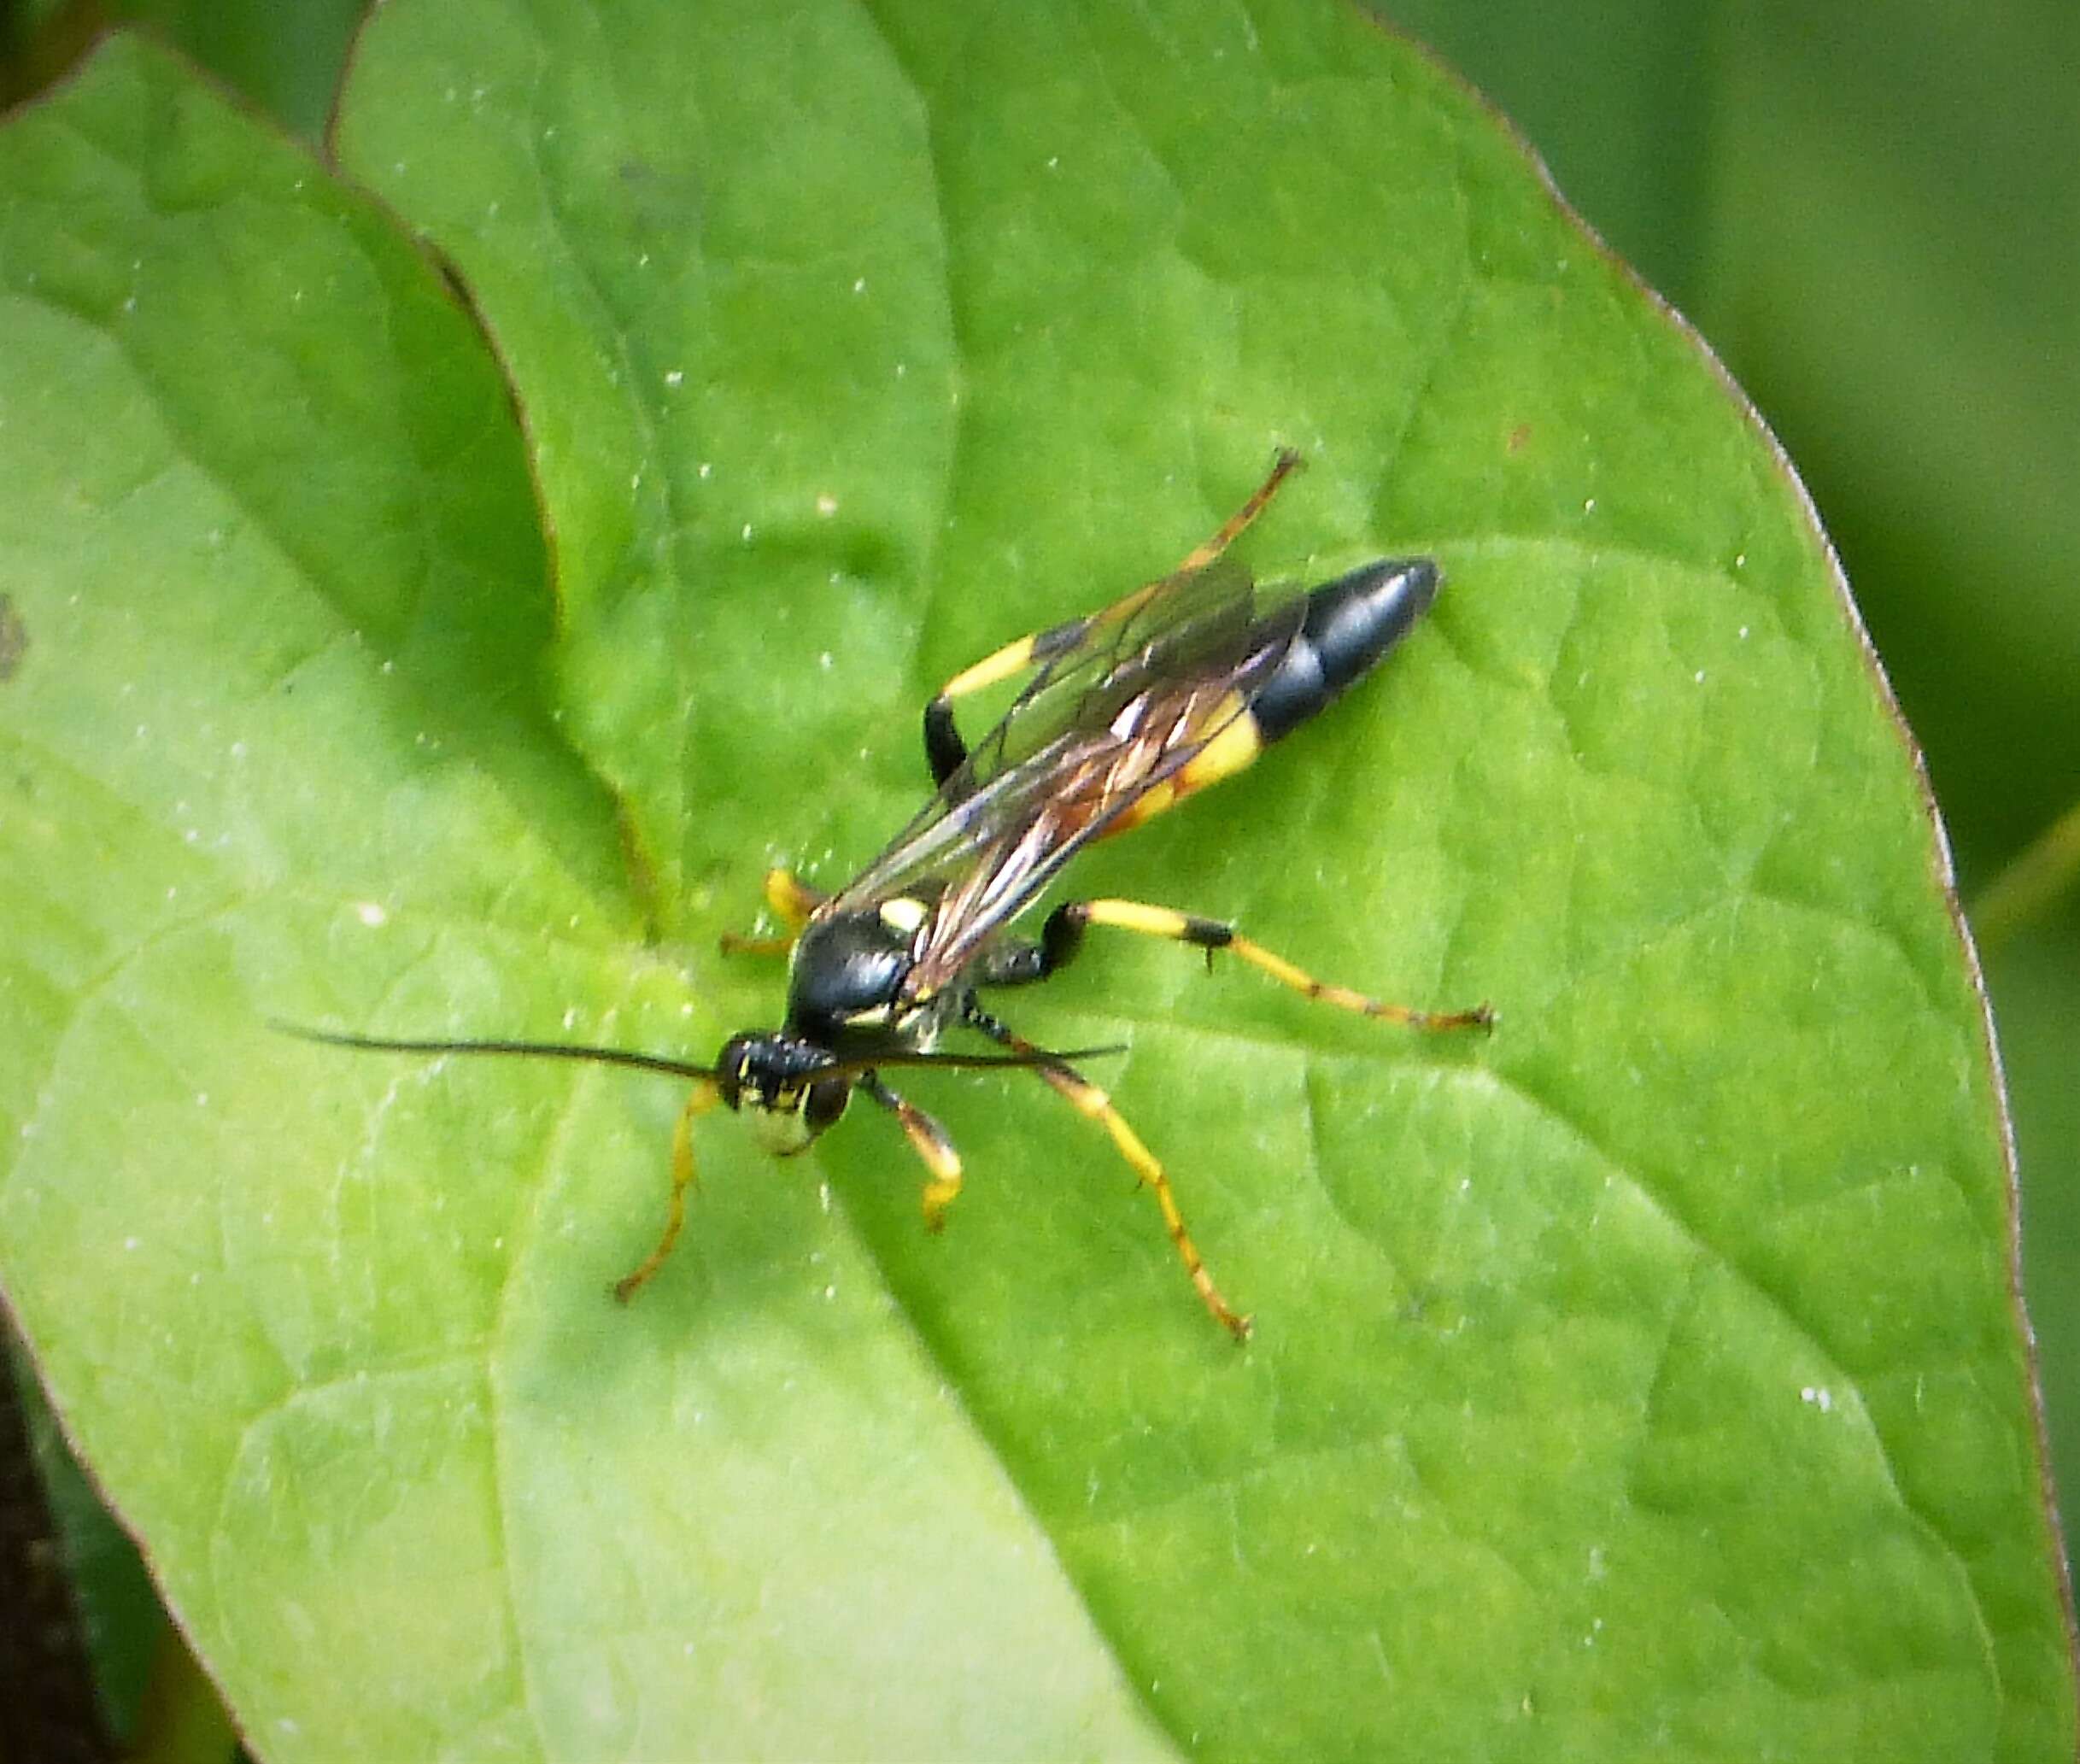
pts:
pixel 1349 625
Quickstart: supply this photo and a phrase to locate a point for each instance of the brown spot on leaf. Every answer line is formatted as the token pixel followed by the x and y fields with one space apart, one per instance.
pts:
pixel 1518 436
pixel 14 639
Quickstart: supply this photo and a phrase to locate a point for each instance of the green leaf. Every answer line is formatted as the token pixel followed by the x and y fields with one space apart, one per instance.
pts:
pixel 1645 1379
pixel 286 59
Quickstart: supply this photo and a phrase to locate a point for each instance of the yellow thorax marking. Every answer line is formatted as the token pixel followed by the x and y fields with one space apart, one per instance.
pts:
pixel 906 913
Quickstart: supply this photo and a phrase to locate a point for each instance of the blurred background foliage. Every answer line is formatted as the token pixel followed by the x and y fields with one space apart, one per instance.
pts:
pixel 1872 213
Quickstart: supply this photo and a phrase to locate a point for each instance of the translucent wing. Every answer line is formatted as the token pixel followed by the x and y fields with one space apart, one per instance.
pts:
pixel 1185 620
pixel 1127 699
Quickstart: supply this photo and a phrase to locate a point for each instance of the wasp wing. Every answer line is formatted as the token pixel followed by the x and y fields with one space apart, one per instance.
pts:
pixel 1182 623
pixel 1103 721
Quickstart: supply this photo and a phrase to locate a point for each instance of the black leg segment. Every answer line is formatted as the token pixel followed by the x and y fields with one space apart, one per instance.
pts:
pixel 944 751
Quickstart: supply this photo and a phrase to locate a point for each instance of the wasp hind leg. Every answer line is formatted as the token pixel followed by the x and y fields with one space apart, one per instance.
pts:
pixel 1094 1105
pixel 1063 935
pixel 704 1096
pixel 1238 523
pixel 944 749
pixel 929 1139
pixel 792 901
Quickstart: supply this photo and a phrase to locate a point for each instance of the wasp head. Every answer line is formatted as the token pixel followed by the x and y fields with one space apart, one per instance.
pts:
pixel 773 1075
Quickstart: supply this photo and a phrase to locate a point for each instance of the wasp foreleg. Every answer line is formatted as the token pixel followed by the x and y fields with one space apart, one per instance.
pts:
pixel 927 1139
pixel 703 1098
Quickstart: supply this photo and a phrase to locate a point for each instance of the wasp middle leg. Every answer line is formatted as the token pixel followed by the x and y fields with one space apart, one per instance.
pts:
pixel 945 750
pixel 704 1098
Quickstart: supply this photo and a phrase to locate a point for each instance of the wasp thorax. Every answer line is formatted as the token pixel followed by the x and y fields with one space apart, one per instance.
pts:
pixel 848 972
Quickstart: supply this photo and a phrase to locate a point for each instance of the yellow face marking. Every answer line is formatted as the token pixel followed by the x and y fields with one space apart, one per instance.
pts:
pixel 783 1127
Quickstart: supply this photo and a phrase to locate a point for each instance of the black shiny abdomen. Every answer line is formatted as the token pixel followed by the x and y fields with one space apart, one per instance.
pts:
pixel 1349 623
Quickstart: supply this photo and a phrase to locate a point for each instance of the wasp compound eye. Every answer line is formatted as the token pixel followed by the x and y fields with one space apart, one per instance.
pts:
pixel 826 1102
pixel 729 1066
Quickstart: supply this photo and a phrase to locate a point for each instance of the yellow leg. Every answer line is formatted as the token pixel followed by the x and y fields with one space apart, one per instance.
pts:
pixel 733 944
pixel 927 1139
pixel 792 901
pixel 1094 1105
pixel 1040 646
pixel 1211 934
pixel 704 1097
pixel 1238 523
pixel 791 897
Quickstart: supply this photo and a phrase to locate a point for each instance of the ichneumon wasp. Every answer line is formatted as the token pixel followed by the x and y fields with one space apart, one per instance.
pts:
pixel 1126 711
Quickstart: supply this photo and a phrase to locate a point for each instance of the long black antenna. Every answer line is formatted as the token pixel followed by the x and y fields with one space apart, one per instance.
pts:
pixel 958 1062
pixel 1039 1057
pixel 531 1050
